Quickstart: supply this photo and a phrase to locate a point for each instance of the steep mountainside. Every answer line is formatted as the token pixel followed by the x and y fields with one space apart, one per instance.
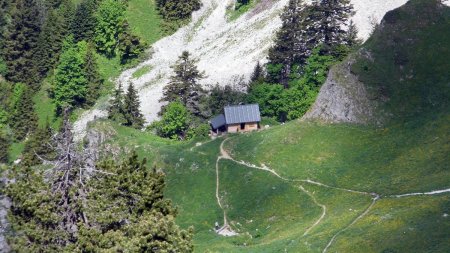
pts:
pixel 402 70
pixel 309 186
pixel 227 50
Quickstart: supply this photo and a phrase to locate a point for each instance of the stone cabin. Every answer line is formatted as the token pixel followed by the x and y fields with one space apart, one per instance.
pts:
pixel 237 118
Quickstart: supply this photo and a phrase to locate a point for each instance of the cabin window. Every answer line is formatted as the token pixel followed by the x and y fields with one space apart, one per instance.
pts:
pixel 242 126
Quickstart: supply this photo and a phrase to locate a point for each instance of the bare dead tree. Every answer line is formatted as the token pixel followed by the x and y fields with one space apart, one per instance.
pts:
pixel 71 167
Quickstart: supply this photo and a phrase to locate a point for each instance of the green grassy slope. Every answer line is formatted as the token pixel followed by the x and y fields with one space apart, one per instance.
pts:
pixel 357 169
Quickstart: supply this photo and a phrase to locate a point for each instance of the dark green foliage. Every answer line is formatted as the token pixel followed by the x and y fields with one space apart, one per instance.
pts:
pixel 22 118
pixel 175 10
pixel 184 86
pixel 291 43
pixel 219 97
pixel 4 146
pixel 258 74
pixel 93 77
pixel 329 19
pixel 123 210
pixel 116 110
pixel 351 38
pixel 5 8
pixel 131 110
pixel 84 22
pixel 130 45
pixel 110 18
pixel 38 146
pixel 21 41
pixel 50 43
pixel 128 212
pixel 174 122
pixel 70 85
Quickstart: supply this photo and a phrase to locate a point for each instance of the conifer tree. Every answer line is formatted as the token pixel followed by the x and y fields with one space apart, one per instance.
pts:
pixel 84 22
pixel 23 118
pixel 116 110
pixel 329 20
pixel 39 146
pixel 290 44
pixel 257 75
pixel 132 113
pixel 351 38
pixel 177 10
pixel 4 146
pixel 50 43
pixel 93 77
pixel 21 41
pixel 130 45
pixel 5 7
pixel 184 83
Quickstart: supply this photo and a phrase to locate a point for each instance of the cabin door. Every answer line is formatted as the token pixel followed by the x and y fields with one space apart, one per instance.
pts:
pixel 242 126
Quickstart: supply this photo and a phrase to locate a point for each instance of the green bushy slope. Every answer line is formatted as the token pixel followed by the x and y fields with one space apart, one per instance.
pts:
pixel 313 187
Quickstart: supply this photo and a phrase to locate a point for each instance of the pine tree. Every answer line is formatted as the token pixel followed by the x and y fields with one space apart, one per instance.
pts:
pixel 291 44
pixel 116 110
pixel 5 8
pixel 93 77
pixel 39 146
pixel 130 45
pixel 351 38
pixel 330 18
pixel 83 25
pixel 21 41
pixel 134 194
pixel 50 43
pixel 257 75
pixel 185 81
pixel 174 10
pixel 132 113
pixel 23 118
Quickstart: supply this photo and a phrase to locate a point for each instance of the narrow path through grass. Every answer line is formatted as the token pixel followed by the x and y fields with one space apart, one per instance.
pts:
pixel 226 230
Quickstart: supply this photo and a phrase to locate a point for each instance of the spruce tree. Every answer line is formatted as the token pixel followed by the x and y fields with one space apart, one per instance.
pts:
pixel 50 43
pixel 257 75
pixel 21 41
pixel 4 146
pixel 351 38
pixel 5 7
pixel 39 146
pixel 132 113
pixel 130 45
pixel 83 25
pixel 23 118
pixel 291 45
pixel 329 21
pixel 185 81
pixel 92 75
pixel 116 110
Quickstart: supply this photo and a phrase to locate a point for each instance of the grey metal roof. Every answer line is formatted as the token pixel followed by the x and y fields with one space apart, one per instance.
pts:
pixel 218 121
pixel 242 114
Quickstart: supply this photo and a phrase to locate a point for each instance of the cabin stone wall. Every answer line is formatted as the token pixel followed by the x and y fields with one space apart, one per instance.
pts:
pixel 247 127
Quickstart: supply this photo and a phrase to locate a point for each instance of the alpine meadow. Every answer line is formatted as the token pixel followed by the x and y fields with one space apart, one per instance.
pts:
pixel 260 126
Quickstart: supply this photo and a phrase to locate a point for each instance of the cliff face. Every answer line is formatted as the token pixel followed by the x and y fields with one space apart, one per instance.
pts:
pixel 400 72
pixel 343 98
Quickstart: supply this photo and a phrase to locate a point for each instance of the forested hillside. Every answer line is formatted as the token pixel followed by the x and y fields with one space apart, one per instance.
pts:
pixel 105 142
